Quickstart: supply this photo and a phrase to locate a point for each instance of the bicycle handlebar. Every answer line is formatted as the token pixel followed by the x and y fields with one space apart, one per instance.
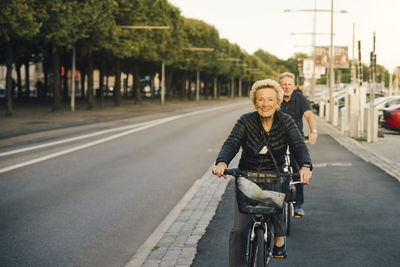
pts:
pixel 237 172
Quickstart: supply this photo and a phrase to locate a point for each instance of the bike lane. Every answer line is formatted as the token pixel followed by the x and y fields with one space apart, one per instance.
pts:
pixel 351 216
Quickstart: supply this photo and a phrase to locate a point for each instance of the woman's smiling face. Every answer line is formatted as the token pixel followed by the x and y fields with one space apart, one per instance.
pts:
pixel 266 102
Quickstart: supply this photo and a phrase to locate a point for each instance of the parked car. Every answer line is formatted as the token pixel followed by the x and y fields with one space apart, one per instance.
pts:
pixel 385 102
pixel 391 118
pixel 381 103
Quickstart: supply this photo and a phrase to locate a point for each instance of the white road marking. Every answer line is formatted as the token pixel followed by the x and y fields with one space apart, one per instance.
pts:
pixel 11 152
pixel 109 138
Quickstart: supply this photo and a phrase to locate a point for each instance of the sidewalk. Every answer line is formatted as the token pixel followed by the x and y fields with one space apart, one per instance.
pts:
pixel 177 244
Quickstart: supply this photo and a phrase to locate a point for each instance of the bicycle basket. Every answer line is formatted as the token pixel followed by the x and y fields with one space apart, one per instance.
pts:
pixel 260 194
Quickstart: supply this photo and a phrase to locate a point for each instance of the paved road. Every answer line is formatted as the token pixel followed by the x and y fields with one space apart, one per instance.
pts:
pixel 352 216
pixel 95 206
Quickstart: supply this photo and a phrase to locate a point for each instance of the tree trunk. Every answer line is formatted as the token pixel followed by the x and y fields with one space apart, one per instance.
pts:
pixel 168 83
pixel 136 82
pixel 9 89
pixel 27 79
pixel 19 79
pixel 183 85
pixel 65 85
pixel 83 76
pixel 101 84
pixel 190 95
pixel 117 85
pixel 206 86
pixel 56 80
pixel 90 99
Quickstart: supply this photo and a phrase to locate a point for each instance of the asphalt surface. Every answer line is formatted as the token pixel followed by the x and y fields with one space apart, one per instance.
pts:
pixel 351 216
pixel 95 206
pixel 351 205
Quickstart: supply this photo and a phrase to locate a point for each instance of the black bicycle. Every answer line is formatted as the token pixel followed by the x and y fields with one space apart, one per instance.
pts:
pixel 261 206
pixel 288 211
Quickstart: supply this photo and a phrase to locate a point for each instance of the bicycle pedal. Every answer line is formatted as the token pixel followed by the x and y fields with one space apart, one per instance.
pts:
pixel 298 216
pixel 280 257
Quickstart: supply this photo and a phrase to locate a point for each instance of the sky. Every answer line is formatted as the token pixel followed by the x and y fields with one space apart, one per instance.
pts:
pixel 263 24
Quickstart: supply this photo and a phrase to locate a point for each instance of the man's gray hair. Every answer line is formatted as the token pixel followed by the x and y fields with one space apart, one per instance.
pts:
pixel 267 83
pixel 286 74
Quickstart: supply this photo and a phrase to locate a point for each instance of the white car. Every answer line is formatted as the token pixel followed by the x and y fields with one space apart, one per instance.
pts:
pixel 384 102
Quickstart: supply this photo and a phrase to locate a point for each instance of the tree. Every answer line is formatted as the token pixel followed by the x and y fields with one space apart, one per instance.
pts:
pixel 59 32
pixel 97 26
pixel 18 24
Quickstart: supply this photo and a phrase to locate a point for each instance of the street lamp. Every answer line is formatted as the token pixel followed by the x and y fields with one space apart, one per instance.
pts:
pixel 155 27
pixel 309 33
pixel 232 59
pixel 315 10
pixel 144 27
pixel 206 49
pixel 198 49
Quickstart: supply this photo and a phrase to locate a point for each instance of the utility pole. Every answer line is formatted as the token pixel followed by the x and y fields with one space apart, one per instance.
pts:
pixel 372 92
pixel 198 49
pixel 360 92
pixel 154 27
pixel 331 71
pixel 198 86
pixel 215 87
pixel 315 10
pixel 353 63
pixel 313 50
pixel 162 83
pixel 360 69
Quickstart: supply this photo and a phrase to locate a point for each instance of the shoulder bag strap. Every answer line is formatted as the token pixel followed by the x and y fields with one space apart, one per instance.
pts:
pixel 269 148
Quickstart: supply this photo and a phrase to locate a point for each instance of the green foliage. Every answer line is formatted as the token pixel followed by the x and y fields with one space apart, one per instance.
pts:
pixel 18 20
pixel 198 34
pixel 94 26
pixel 61 22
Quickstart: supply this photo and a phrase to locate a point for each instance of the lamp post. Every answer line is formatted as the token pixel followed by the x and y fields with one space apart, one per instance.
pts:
pixel 148 27
pixel 233 60
pixel 198 49
pixel 315 10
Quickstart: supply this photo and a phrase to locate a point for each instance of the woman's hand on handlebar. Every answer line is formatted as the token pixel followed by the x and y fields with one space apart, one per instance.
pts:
pixel 305 175
pixel 219 169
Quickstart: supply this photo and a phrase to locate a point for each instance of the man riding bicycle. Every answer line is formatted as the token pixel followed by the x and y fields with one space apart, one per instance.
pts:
pixel 250 132
pixel 296 105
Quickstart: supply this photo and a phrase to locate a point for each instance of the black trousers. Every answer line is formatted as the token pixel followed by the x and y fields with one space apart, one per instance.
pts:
pixel 238 236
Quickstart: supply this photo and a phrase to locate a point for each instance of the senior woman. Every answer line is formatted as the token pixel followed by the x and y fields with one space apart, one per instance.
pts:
pixel 280 131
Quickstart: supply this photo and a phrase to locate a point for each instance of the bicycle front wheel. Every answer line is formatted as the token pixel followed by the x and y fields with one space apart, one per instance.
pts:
pixel 260 249
pixel 287 216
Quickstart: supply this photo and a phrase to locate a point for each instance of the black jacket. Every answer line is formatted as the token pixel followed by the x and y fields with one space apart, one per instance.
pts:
pixel 247 134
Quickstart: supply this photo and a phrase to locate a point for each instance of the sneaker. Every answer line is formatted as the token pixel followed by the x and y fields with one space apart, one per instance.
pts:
pixel 298 212
pixel 279 252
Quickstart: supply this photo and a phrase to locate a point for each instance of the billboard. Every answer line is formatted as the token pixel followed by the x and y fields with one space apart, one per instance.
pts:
pixel 322 56
pixel 340 58
pixel 308 69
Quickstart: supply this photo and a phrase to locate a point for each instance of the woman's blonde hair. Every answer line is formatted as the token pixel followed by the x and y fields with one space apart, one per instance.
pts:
pixel 267 83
